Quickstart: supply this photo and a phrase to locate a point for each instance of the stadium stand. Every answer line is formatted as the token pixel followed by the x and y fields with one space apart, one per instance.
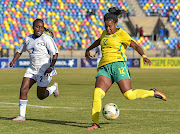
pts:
pixel 75 23
pixel 165 8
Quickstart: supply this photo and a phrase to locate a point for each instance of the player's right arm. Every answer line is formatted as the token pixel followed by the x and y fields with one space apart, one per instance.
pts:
pixel 17 55
pixel 95 44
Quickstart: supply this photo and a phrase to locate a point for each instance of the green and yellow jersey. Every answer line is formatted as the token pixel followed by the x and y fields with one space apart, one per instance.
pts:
pixel 113 46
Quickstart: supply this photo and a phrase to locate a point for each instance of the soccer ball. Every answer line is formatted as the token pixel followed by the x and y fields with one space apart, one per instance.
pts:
pixel 110 111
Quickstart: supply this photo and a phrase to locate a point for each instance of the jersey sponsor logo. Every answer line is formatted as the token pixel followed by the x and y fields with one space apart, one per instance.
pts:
pixel 104 41
pixel 41 44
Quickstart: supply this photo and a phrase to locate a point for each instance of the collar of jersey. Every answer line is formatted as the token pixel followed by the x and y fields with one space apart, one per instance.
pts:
pixel 118 29
pixel 37 37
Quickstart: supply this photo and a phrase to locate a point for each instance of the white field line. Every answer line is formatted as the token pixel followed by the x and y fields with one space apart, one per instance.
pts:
pixel 37 106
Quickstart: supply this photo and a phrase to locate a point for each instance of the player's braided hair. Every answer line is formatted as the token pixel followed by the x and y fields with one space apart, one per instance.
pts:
pixel 113 14
pixel 45 29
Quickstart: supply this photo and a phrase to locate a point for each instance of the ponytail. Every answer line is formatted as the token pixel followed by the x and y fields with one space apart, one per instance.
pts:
pixel 113 14
pixel 49 31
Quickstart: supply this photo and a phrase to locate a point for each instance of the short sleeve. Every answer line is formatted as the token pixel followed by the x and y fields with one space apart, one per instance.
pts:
pixel 125 38
pixel 51 45
pixel 103 34
pixel 22 47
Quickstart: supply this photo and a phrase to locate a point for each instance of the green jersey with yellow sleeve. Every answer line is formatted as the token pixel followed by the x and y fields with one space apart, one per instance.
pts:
pixel 113 46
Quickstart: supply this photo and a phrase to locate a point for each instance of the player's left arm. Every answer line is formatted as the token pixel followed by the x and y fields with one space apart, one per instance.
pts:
pixel 141 52
pixel 51 46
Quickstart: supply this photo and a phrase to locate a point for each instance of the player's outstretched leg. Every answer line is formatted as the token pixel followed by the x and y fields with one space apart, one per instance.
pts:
pixel 94 126
pixel 159 95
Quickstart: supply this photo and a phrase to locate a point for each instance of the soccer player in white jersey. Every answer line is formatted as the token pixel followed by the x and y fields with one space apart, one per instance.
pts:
pixel 41 69
pixel 99 55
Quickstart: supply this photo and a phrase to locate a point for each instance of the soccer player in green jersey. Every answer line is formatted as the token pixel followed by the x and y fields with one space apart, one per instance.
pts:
pixel 112 66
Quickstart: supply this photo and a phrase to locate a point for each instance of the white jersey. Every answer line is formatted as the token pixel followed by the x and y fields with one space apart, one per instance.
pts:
pixel 98 51
pixel 40 51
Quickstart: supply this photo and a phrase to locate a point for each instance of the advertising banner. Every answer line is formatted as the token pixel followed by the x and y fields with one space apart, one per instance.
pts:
pixel 66 63
pixel 136 62
pixel 4 63
pixel 22 63
pixel 131 62
pixel 60 63
pixel 89 63
pixel 163 63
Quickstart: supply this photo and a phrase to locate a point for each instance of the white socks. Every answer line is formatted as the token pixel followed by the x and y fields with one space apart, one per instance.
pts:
pixel 51 89
pixel 22 107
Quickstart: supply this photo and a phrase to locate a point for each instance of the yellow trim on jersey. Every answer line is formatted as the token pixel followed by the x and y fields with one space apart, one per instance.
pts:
pixel 113 46
pixel 127 70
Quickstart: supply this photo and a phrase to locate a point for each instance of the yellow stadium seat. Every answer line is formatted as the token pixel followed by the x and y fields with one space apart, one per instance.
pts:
pixel 167 41
pixel 108 4
pixel 25 9
pixel 173 23
pixel 6 12
pixel 31 3
pixel 38 1
pixel 161 4
pixel 13 9
pixel 17 6
pixel 12 47
pixel 49 13
pixel 78 4
pixel 27 3
pixel 43 10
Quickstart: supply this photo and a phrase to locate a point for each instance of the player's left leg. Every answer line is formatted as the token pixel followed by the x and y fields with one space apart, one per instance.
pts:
pixel 126 89
pixel 44 92
pixel 123 78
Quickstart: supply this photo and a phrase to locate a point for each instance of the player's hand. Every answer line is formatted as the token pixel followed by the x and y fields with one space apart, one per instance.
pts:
pixel 146 60
pixel 12 63
pixel 87 55
pixel 48 70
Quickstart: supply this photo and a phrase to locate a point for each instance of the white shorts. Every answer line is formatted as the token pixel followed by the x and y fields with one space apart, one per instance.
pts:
pixel 98 60
pixel 42 81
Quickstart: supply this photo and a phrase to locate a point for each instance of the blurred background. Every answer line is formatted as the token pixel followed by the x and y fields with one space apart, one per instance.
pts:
pixel 76 24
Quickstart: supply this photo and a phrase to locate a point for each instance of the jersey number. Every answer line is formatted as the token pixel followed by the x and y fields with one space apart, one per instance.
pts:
pixel 121 70
pixel 32 50
pixel 41 77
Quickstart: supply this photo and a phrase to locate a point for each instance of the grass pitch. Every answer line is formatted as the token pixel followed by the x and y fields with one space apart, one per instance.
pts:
pixel 70 113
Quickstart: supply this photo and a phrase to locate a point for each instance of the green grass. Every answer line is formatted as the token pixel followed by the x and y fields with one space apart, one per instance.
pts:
pixel 72 114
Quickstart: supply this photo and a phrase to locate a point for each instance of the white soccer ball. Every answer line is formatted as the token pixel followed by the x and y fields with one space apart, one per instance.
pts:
pixel 110 111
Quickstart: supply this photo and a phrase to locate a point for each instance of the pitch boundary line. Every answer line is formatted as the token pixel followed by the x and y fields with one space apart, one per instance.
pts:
pixel 37 106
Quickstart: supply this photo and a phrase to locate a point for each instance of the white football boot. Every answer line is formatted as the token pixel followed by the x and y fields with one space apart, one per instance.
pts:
pixel 56 92
pixel 19 118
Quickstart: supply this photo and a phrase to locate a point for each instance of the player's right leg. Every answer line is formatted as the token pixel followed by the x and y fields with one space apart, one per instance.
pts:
pixel 103 83
pixel 25 86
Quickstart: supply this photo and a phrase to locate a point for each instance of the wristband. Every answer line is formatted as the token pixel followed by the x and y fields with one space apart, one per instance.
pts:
pixel 144 56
